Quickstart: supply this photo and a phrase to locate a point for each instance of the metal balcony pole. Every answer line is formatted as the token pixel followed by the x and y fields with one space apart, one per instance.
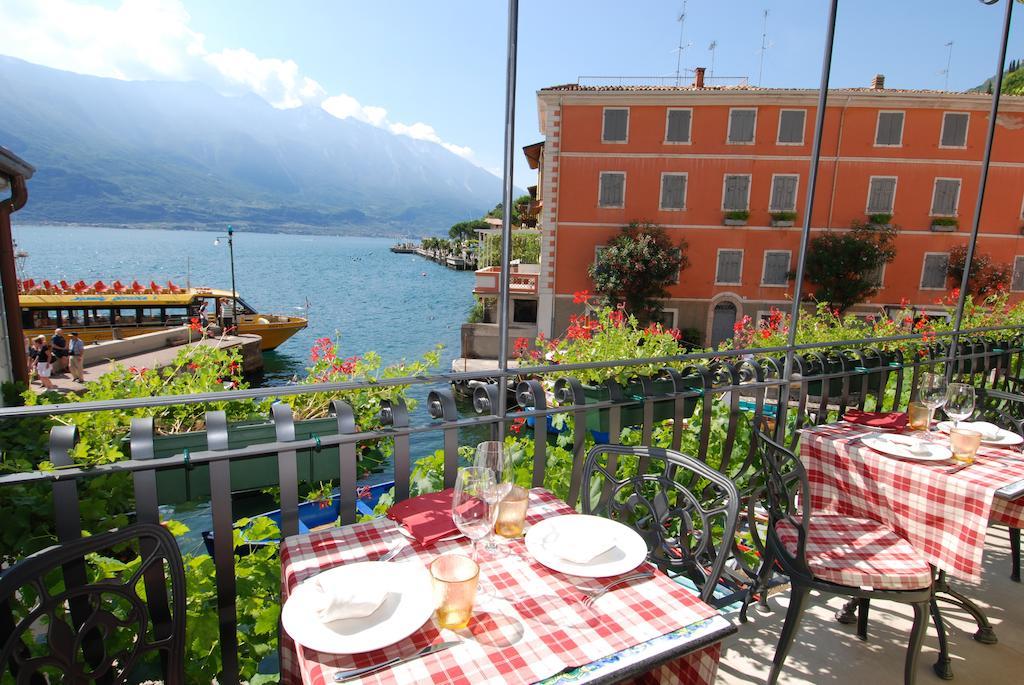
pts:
pixel 812 182
pixel 506 221
pixel 997 86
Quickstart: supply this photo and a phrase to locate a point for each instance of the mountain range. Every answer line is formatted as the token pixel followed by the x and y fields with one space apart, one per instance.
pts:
pixel 182 155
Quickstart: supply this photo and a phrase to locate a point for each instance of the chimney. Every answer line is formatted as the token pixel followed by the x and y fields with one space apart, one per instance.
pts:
pixel 878 83
pixel 698 77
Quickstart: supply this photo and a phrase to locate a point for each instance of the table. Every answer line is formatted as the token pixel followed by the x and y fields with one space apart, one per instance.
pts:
pixel 654 631
pixel 943 516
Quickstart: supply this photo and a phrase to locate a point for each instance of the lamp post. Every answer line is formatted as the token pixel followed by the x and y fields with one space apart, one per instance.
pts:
pixel 231 253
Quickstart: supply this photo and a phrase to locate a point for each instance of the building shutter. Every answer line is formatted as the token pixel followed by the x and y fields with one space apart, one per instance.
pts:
pixel 678 126
pixel 729 262
pixel 741 129
pixel 673 191
pixel 954 129
pixel 776 268
pixel 881 195
pixel 874 277
pixel 783 194
pixel 616 122
pixel 736 191
pixel 944 200
pixel 890 128
pixel 935 268
pixel 791 126
pixel 1017 283
pixel 612 186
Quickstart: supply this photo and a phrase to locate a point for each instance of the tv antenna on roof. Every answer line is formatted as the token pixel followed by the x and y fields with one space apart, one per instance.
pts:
pixel 712 47
pixel 679 50
pixel 764 47
pixel 949 61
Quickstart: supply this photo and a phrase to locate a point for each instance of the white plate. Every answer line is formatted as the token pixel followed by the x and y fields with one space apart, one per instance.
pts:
pixel 544 539
pixel 899 446
pixel 408 605
pixel 1006 438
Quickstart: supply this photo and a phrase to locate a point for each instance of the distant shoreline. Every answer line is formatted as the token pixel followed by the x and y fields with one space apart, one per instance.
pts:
pixel 288 229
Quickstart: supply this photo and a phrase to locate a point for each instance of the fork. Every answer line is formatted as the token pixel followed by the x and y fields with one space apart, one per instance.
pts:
pixel 395 550
pixel 592 595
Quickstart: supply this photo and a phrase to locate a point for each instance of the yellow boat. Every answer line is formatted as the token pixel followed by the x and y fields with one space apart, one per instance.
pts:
pixel 102 312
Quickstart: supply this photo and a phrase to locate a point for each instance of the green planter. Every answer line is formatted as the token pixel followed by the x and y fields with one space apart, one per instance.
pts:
pixel 835 385
pixel 185 484
pixel 633 415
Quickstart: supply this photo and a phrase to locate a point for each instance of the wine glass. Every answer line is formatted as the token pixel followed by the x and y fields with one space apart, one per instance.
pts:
pixel 959 402
pixel 471 508
pixel 932 393
pixel 493 455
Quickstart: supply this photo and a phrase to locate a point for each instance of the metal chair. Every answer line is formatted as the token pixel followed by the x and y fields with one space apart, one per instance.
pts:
pixel 103 631
pixel 684 510
pixel 836 555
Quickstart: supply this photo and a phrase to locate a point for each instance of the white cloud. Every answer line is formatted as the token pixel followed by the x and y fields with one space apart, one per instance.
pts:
pixel 152 39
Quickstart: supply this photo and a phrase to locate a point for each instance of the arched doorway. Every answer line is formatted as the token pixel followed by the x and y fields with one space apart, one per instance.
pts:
pixel 722 321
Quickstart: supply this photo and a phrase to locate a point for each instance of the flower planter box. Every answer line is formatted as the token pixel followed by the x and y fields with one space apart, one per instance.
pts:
pixel 735 222
pixel 778 223
pixel 835 385
pixel 944 228
pixel 597 421
pixel 185 484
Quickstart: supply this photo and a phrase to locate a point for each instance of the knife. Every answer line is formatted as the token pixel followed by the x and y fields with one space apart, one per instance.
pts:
pixel 352 674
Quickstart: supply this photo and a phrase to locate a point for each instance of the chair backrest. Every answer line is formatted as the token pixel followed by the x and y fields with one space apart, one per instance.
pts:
pixel 1005 409
pixel 785 495
pixel 103 631
pixel 684 510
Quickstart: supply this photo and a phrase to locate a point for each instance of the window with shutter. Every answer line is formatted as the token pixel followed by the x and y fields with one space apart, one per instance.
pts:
pixel 783 194
pixel 741 125
pixel 673 191
pixel 954 129
pixel 677 126
pixel 612 191
pixel 944 196
pixel 874 277
pixel 776 267
pixel 936 266
pixel 737 193
pixel 890 128
pixel 791 126
pixel 1017 282
pixel 881 195
pixel 616 124
pixel 730 264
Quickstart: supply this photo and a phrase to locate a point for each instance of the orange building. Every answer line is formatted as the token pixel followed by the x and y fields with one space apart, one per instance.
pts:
pixel 689 157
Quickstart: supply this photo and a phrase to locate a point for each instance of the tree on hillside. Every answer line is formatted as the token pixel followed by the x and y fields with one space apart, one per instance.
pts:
pixel 844 265
pixel 986 277
pixel 635 267
pixel 466 230
pixel 499 210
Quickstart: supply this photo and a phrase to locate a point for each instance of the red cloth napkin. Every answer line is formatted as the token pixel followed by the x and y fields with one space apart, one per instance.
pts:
pixel 428 518
pixel 896 420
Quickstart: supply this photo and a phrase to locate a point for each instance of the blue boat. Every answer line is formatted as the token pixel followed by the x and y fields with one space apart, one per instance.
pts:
pixel 312 515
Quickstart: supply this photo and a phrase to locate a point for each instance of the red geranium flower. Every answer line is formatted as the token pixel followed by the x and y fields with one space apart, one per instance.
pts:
pixel 580 296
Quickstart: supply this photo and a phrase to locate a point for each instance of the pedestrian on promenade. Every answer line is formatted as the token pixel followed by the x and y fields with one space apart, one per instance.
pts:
pixel 41 357
pixel 76 352
pixel 60 351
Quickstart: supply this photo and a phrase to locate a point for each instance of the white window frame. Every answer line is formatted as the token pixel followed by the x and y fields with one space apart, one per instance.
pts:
pixel 764 268
pixel 881 278
pixel 1016 260
pixel 673 316
pixel 771 193
pixel 942 131
pixel 753 132
pixel 924 267
pixel 878 123
pixel 750 182
pixel 600 176
pixel 762 317
pixel 803 129
pixel 956 201
pixel 1022 207
pixel 614 142
pixel 718 263
pixel 689 132
pixel 661 190
pixel 895 187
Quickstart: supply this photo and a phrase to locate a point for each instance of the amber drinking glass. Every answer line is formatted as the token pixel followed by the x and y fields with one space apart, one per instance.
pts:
pixel 918 413
pixel 512 513
pixel 964 444
pixel 455 577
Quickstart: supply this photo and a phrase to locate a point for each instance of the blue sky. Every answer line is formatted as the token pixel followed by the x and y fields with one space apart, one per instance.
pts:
pixel 436 70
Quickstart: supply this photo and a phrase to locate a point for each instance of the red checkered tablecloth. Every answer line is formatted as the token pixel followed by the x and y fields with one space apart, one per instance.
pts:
pixel 527 635
pixel 943 516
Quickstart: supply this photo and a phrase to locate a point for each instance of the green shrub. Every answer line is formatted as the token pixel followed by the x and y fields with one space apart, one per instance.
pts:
pixel 738 215
pixel 783 216
pixel 880 219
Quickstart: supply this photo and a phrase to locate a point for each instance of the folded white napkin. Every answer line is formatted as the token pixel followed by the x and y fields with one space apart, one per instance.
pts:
pixel 333 602
pixel 583 550
pixel 989 431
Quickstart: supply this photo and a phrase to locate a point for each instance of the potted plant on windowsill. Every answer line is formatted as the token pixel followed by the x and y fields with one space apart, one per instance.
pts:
pixel 944 224
pixel 737 217
pixel 881 219
pixel 783 219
